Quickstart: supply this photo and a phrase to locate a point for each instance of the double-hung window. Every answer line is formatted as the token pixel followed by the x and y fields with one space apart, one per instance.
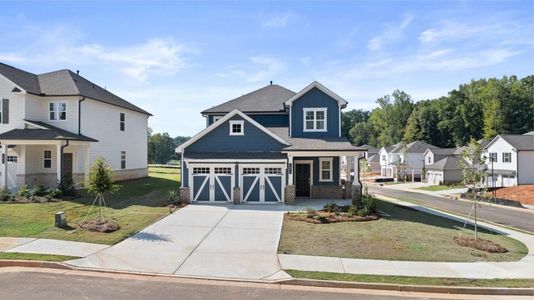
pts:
pixel 122 121
pixel 123 160
pixel 57 111
pixel 315 119
pixel 506 157
pixel 325 169
pixel 47 159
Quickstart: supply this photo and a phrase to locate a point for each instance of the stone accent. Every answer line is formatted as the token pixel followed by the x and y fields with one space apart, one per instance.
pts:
pixel 48 180
pixel 326 192
pixel 184 195
pixel 78 179
pixel 121 175
pixel 347 190
pixel 236 198
pixel 357 195
pixel 289 194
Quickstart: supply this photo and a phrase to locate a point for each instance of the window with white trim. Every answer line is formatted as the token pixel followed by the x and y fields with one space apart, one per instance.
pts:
pixel 315 119
pixel 47 159
pixel 325 169
pixel 493 157
pixel 12 158
pixel 123 160
pixel 506 157
pixel 237 128
pixel 216 118
pixel 122 121
pixel 57 111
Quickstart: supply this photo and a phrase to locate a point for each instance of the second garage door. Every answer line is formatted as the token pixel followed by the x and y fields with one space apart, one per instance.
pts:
pixel 261 183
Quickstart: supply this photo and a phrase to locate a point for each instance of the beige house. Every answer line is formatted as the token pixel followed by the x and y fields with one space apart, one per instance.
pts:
pixel 54 125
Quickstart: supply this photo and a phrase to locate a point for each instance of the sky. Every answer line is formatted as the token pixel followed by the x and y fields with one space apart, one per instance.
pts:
pixel 176 59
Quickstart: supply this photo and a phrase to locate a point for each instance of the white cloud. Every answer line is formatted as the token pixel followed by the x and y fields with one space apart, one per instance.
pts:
pixel 259 68
pixel 450 30
pixel 276 20
pixel 392 32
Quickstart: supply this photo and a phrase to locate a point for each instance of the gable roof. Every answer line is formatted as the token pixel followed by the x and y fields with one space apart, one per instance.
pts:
pixel 221 121
pixel 63 83
pixel 442 151
pixel 270 98
pixel 43 131
pixel 447 163
pixel 370 149
pixel 518 141
pixel 322 88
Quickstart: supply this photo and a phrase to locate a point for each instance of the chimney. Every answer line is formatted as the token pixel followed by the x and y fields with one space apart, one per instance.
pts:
pixel 77 72
pixel 271 82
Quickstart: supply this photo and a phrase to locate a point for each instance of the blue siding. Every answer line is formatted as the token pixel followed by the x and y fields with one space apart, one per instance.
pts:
pixel 219 140
pixel 335 170
pixel 267 120
pixel 315 98
pixel 185 175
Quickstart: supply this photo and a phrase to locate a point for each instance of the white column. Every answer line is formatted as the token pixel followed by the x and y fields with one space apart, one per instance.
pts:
pixel 347 168
pixel 356 170
pixel 4 166
pixel 290 176
pixel 58 162
pixel 86 165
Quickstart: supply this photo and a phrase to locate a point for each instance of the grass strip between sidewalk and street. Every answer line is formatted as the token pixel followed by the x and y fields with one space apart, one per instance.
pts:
pixel 35 256
pixel 435 188
pixel 412 280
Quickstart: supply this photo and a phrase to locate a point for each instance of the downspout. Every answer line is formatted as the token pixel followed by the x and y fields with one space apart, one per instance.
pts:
pixel 61 157
pixel 80 115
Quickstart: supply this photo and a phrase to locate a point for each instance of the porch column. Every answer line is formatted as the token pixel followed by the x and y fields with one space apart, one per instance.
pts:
pixel 289 191
pixel 58 162
pixel 291 170
pixel 348 168
pixel 4 166
pixel 356 186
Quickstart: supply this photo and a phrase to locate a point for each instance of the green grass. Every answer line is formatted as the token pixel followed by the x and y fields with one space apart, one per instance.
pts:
pixel 136 205
pixel 435 188
pixel 405 235
pixel 34 256
pixel 163 170
pixel 409 280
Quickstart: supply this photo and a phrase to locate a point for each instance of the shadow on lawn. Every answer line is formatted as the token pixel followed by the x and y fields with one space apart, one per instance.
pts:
pixel 148 191
pixel 408 214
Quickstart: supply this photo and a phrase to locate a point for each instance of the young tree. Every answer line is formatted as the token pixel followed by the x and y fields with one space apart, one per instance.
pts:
pixel 100 182
pixel 473 176
pixel 365 169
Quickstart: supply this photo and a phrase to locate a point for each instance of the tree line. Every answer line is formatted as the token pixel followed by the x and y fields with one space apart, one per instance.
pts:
pixel 477 110
pixel 161 147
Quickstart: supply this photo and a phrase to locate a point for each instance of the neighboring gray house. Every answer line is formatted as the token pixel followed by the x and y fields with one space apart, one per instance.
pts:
pixel 373 158
pixel 54 125
pixel 445 171
pixel 270 146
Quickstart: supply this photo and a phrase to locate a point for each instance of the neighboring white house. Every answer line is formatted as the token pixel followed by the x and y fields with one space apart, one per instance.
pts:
pixel 54 126
pixel 402 160
pixel 510 158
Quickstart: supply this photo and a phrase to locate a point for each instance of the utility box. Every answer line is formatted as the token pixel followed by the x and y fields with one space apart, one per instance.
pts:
pixel 61 220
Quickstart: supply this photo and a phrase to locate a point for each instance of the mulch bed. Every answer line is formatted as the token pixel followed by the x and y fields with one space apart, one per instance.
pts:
pixel 325 217
pixel 480 244
pixel 34 199
pixel 105 226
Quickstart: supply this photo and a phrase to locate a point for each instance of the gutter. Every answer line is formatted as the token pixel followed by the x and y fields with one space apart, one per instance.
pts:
pixel 79 115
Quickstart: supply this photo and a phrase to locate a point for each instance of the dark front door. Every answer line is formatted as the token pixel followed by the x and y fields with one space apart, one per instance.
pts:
pixel 66 166
pixel 302 180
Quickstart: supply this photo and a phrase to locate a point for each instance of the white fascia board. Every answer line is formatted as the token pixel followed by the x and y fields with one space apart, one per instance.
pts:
pixel 35 125
pixel 321 87
pixel 224 119
pixel 230 161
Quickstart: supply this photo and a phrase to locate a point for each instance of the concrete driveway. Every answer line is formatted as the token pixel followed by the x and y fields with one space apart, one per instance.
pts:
pixel 202 240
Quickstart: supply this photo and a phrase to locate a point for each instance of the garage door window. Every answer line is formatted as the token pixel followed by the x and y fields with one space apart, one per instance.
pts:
pixel 273 171
pixel 251 171
pixel 201 171
pixel 223 170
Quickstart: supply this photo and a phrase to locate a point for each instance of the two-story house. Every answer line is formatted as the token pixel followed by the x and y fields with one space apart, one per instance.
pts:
pixel 404 160
pixel 270 145
pixel 510 160
pixel 55 125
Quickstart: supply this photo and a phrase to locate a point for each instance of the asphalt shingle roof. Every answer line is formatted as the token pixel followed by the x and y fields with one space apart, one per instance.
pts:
pixel 270 98
pixel 447 163
pixel 520 142
pixel 306 144
pixel 370 149
pixel 413 147
pixel 63 83
pixel 49 133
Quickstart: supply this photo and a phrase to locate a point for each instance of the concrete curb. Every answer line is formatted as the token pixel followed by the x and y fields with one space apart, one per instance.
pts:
pixel 412 288
pixel 34 264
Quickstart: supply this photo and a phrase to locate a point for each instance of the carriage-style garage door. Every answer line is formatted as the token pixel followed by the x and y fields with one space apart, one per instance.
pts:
pixel 262 183
pixel 212 183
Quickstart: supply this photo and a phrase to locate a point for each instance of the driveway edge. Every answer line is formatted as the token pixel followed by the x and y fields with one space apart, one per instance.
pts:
pixel 411 288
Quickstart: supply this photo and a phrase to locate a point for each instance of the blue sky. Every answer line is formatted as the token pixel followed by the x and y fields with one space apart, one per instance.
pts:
pixel 177 58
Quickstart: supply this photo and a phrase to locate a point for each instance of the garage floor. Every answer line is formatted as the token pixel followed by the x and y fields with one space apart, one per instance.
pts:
pixel 223 241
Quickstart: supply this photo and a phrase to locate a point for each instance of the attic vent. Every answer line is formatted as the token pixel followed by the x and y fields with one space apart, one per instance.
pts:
pixel 15 90
pixel 271 82
pixel 77 72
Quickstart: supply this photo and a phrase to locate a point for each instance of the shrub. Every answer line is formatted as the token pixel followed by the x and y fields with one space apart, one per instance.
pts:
pixel 67 188
pixel 331 207
pixel 310 212
pixel 322 219
pixel 53 193
pixel 25 192
pixel 5 195
pixel 368 203
pixel 39 191
pixel 173 197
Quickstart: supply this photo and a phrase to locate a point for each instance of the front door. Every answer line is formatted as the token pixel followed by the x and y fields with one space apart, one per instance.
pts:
pixel 66 167
pixel 302 180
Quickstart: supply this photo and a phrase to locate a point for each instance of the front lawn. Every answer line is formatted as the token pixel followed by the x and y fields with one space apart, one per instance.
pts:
pixel 138 204
pixel 412 280
pixel 435 188
pixel 405 234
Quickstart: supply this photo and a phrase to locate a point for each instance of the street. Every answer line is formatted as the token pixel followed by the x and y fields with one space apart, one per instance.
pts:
pixel 53 285
pixel 493 213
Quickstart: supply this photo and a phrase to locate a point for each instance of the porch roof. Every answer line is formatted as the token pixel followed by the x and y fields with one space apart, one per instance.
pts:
pixel 314 144
pixel 44 132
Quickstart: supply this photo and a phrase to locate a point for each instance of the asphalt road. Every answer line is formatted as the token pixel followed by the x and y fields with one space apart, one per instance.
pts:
pixel 49 286
pixel 494 213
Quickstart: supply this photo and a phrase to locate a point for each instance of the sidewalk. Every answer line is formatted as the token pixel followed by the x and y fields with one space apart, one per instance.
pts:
pixel 49 246
pixel 475 270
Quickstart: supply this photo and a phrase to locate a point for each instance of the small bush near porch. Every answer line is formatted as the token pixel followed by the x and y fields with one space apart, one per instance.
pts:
pixel 138 204
pixel 400 234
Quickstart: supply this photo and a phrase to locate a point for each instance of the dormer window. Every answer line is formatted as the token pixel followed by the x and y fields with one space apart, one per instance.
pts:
pixel 58 111
pixel 315 119
pixel 237 128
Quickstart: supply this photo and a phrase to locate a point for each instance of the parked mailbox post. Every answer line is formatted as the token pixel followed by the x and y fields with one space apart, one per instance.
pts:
pixel 61 220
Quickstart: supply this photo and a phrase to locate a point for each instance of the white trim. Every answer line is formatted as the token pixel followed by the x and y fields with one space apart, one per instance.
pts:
pixel 216 118
pixel 314 110
pixel 323 153
pixel 290 122
pixel 237 122
pixel 36 125
pixel 44 159
pixel 188 160
pixel 212 180
pixel 16 85
pixel 57 112
pixel 320 87
pixel 331 169
pixel 303 162
pixel 221 121
pixel 339 114
pixel 261 179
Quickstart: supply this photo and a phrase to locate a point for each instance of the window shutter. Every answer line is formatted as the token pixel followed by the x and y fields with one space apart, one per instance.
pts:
pixel 5 111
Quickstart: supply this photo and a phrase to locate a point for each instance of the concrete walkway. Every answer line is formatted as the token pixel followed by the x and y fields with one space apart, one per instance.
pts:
pixel 204 241
pixel 49 246
pixel 523 268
